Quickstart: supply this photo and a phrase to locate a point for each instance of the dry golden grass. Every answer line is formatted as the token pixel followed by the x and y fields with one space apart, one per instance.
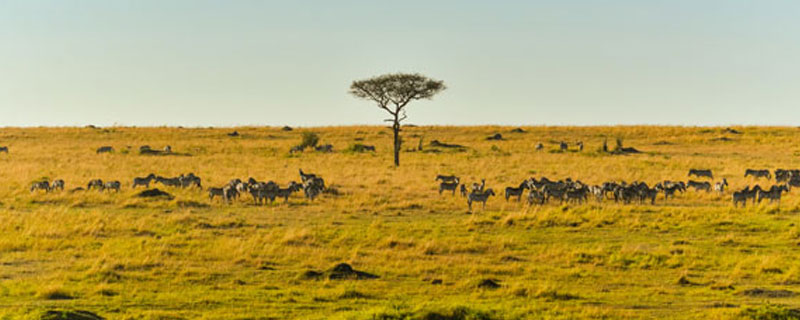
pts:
pixel 129 258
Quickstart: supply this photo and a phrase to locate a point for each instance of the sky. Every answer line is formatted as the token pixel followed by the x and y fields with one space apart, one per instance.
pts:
pixel 559 62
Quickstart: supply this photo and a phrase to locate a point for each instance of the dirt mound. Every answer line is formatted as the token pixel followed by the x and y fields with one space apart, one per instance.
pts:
pixel 496 136
pixel 70 315
pixel 723 139
pixel 663 143
pixel 489 284
pixel 764 293
pixel 151 193
pixel 341 271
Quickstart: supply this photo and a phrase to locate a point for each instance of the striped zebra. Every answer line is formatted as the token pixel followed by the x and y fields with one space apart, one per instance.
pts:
pixel 112 185
pixel 758 173
pixel 701 173
pixel 443 178
pixel 516 192
pixel 286 192
pixel 105 149
pixel 773 194
pixel 740 197
pixel 448 186
pixel 138 181
pixel 697 185
pixel 536 197
pixel 41 185
pixel 479 197
pixel 463 190
pixel 95 184
pixel 57 185
pixel 720 186
pixel 170 182
pixel 216 192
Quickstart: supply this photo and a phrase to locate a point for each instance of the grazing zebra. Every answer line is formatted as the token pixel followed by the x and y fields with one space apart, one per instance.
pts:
pixel 773 194
pixel 479 197
pixel 170 182
pixel 463 190
pixel 4 149
pixel 539 146
pixel 449 186
pixel 701 173
pixel 536 197
pixel 57 185
pixel 95 184
pixel 213 192
pixel 143 181
pixel 516 192
pixel 451 178
pixel 285 193
pixel 112 185
pixel 41 185
pixel 697 185
pixel 720 186
pixel 105 149
pixel 758 173
pixel 229 193
pixel 190 180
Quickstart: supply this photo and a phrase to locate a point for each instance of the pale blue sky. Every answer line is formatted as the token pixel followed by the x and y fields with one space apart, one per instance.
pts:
pixel 198 63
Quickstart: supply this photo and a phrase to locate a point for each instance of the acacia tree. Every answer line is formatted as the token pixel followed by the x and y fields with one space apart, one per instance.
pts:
pixel 393 92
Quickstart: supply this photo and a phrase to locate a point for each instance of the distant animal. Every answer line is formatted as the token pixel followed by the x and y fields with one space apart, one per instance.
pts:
pixel 580 145
pixel 4 149
pixel 233 134
pixel 720 186
pixel 57 185
pixel 697 185
pixel 479 197
pixel 701 173
pixel 170 182
pixel 324 148
pixel 95 184
pixel 443 178
pixel 298 148
pixel 105 149
pixel 740 197
pixel 463 190
pixel 516 192
pixel 112 185
pixel 167 149
pixel 144 148
pixel 215 192
pixel 41 185
pixel 138 181
pixel 539 146
pixel 536 197
pixel 563 146
pixel 758 173
pixel 229 193
pixel 773 194
pixel 449 186
pixel 478 187
pixel 286 192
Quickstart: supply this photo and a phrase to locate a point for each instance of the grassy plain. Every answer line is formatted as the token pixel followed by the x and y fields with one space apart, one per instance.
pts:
pixel 124 257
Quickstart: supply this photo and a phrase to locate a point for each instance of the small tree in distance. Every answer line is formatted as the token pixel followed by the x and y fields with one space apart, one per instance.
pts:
pixel 393 92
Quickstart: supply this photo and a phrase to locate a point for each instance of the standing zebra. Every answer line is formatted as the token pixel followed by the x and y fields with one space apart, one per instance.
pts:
pixel 95 184
pixel 112 185
pixel 720 186
pixel 57 185
pixel 41 185
pixel 449 186
pixel 479 197
pixel 143 181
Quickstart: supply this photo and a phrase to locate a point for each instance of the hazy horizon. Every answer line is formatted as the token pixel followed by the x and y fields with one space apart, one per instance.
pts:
pixel 515 63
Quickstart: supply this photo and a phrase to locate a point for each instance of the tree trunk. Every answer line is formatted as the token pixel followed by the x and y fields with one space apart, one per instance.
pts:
pixel 396 129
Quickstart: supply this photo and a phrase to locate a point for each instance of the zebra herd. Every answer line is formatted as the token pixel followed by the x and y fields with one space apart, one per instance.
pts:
pixel 312 186
pixel 544 190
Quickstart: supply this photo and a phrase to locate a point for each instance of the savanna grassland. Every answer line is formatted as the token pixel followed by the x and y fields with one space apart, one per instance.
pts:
pixel 124 257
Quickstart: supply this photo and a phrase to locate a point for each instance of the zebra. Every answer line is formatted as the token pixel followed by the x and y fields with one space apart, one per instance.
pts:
pixel 773 194
pixel 167 149
pixel 758 173
pixel 536 197
pixel 95 184
pixel 580 145
pixel 170 182
pixel 57 185
pixel 312 190
pixel 701 173
pixel 697 185
pixel 478 187
pixel 112 185
pixel 143 181
pixel 306 176
pixel 720 186
pixel 229 193
pixel 443 178
pixel 463 190
pixel 295 149
pixel 4 149
pixel 479 197
pixel 539 146
pixel 783 175
pixel 285 193
pixel 598 192
pixel 41 185
pixel 190 180
pixel 578 195
pixel 105 149
pixel 516 192
pixel 324 148
pixel 449 186
pixel 213 192
pixel 563 146
pixel 740 196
